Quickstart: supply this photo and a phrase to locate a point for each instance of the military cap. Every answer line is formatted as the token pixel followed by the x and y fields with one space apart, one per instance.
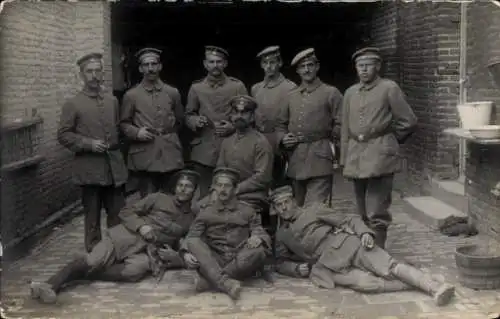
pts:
pixel 280 192
pixel 227 172
pixel 269 51
pixel 245 101
pixel 367 53
pixel 143 53
pixel 94 56
pixel 189 175
pixel 211 49
pixel 305 54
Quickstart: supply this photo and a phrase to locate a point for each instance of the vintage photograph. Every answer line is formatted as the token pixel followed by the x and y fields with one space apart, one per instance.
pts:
pixel 250 159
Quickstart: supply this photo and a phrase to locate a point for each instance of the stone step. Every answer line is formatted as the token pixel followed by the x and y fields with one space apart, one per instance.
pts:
pixel 429 210
pixel 451 192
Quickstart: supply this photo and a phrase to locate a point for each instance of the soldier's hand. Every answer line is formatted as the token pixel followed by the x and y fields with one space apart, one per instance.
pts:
pixel 99 146
pixel 201 121
pixel 223 128
pixel 303 270
pixel 167 254
pixel 254 242
pixel 191 261
pixel 367 241
pixel 289 140
pixel 144 134
pixel 147 233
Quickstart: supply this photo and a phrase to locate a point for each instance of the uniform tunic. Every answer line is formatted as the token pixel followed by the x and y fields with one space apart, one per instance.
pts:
pixel 211 99
pixel 271 97
pixel 312 114
pixel 251 155
pixel 86 117
pixel 159 108
pixel 379 114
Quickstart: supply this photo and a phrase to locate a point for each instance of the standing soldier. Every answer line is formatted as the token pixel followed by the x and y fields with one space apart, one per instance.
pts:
pixel 271 95
pixel 376 119
pixel 89 128
pixel 151 115
pixel 308 126
pixel 207 113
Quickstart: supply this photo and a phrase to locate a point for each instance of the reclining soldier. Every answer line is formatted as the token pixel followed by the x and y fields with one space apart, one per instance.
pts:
pixel 226 243
pixel 144 242
pixel 333 248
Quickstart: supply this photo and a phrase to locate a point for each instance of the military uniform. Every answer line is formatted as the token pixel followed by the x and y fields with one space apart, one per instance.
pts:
pixel 376 120
pixel 86 117
pixel 157 107
pixel 272 97
pixel 209 97
pixel 218 239
pixel 123 254
pixel 312 115
pixel 329 241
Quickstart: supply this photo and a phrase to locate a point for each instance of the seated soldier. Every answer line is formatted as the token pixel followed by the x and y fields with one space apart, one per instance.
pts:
pixel 334 248
pixel 144 242
pixel 226 242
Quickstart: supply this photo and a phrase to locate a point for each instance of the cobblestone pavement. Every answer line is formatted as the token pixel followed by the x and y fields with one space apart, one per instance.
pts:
pixel 286 298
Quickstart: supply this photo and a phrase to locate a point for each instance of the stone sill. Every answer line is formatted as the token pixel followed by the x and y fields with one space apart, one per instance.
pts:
pixel 17 165
pixel 465 134
pixel 20 124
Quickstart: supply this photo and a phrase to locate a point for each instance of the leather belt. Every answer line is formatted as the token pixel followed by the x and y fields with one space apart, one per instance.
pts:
pixel 160 132
pixel 363 138
pixel 309 137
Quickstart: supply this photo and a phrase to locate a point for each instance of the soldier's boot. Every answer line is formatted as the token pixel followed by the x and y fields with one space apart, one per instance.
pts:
pixel 231 287
pixel 380 237
pixel 394 285
pixel 441 292
pixel 115 274
pixel 46 292
pixel 201 284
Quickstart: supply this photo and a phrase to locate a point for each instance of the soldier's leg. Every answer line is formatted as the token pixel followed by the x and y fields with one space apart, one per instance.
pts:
pixel 246 262
pixel 378 201
pixel 145 186
pixel 378 261
pixel 364 281
pixel 206 174
pixel 101 256
pixel 299 191
pixel 360 195
pixel 114 200
pixel 319 190
pixel 92 203
pixel 210 268
pixel 279 174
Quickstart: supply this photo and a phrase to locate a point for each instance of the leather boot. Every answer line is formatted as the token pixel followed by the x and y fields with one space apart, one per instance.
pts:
pixel 441 292
pixel 380 237
pixel 231 287
pixel 46 292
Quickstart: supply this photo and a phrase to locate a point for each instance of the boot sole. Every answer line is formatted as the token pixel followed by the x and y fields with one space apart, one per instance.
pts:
pixel 444 295
pixel 42 294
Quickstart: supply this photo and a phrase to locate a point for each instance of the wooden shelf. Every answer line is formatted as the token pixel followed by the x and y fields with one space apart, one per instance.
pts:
pixel 20 124
pixel 465 134
pixel 30 161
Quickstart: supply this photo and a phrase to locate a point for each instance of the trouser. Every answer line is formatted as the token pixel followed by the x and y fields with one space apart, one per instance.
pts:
pixel 94 198
pixel 205 181
pixel 152 182
pixel 279 174
pixel 313 190
pixel 216 267
pixel 373 199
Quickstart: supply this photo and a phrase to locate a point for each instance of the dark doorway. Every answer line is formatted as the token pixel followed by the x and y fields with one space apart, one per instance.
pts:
pixel 243 28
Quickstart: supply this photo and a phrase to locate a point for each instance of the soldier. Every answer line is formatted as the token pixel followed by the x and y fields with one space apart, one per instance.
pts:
pixel 335 248
pixel 89 128
pixel 151 115
pixel 308 126
pixel 226 242
pixel 207 113
pixel 144 242
pixel 376 119
pixel 272 96
pixel 248 152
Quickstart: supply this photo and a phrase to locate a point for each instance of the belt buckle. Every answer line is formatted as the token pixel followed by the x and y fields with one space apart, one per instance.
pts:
pixel 361 137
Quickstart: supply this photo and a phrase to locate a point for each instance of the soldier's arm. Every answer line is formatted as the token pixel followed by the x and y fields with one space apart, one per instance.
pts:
pixel 192 108
pixel 66 132
pixel 127 117
pixel 404 119
pixel 241 89
pixel 335 101
pixel 338 219
pixel 256 230
pixel 282 120
pixel 262 173
pixel 221 159
pixel 178 109
pixel 253 90
pixel 286 263
pixel 132 215
pixel 344 129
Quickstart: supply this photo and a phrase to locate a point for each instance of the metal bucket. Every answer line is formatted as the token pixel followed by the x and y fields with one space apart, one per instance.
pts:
pixel 474 114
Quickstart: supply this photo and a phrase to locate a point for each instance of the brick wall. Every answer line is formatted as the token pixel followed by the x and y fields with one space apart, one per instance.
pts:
pixel 420 41
pixel 40 43
pixel 483 163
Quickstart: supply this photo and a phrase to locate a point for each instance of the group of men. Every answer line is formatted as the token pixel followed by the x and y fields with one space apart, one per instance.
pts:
pixel 244 146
